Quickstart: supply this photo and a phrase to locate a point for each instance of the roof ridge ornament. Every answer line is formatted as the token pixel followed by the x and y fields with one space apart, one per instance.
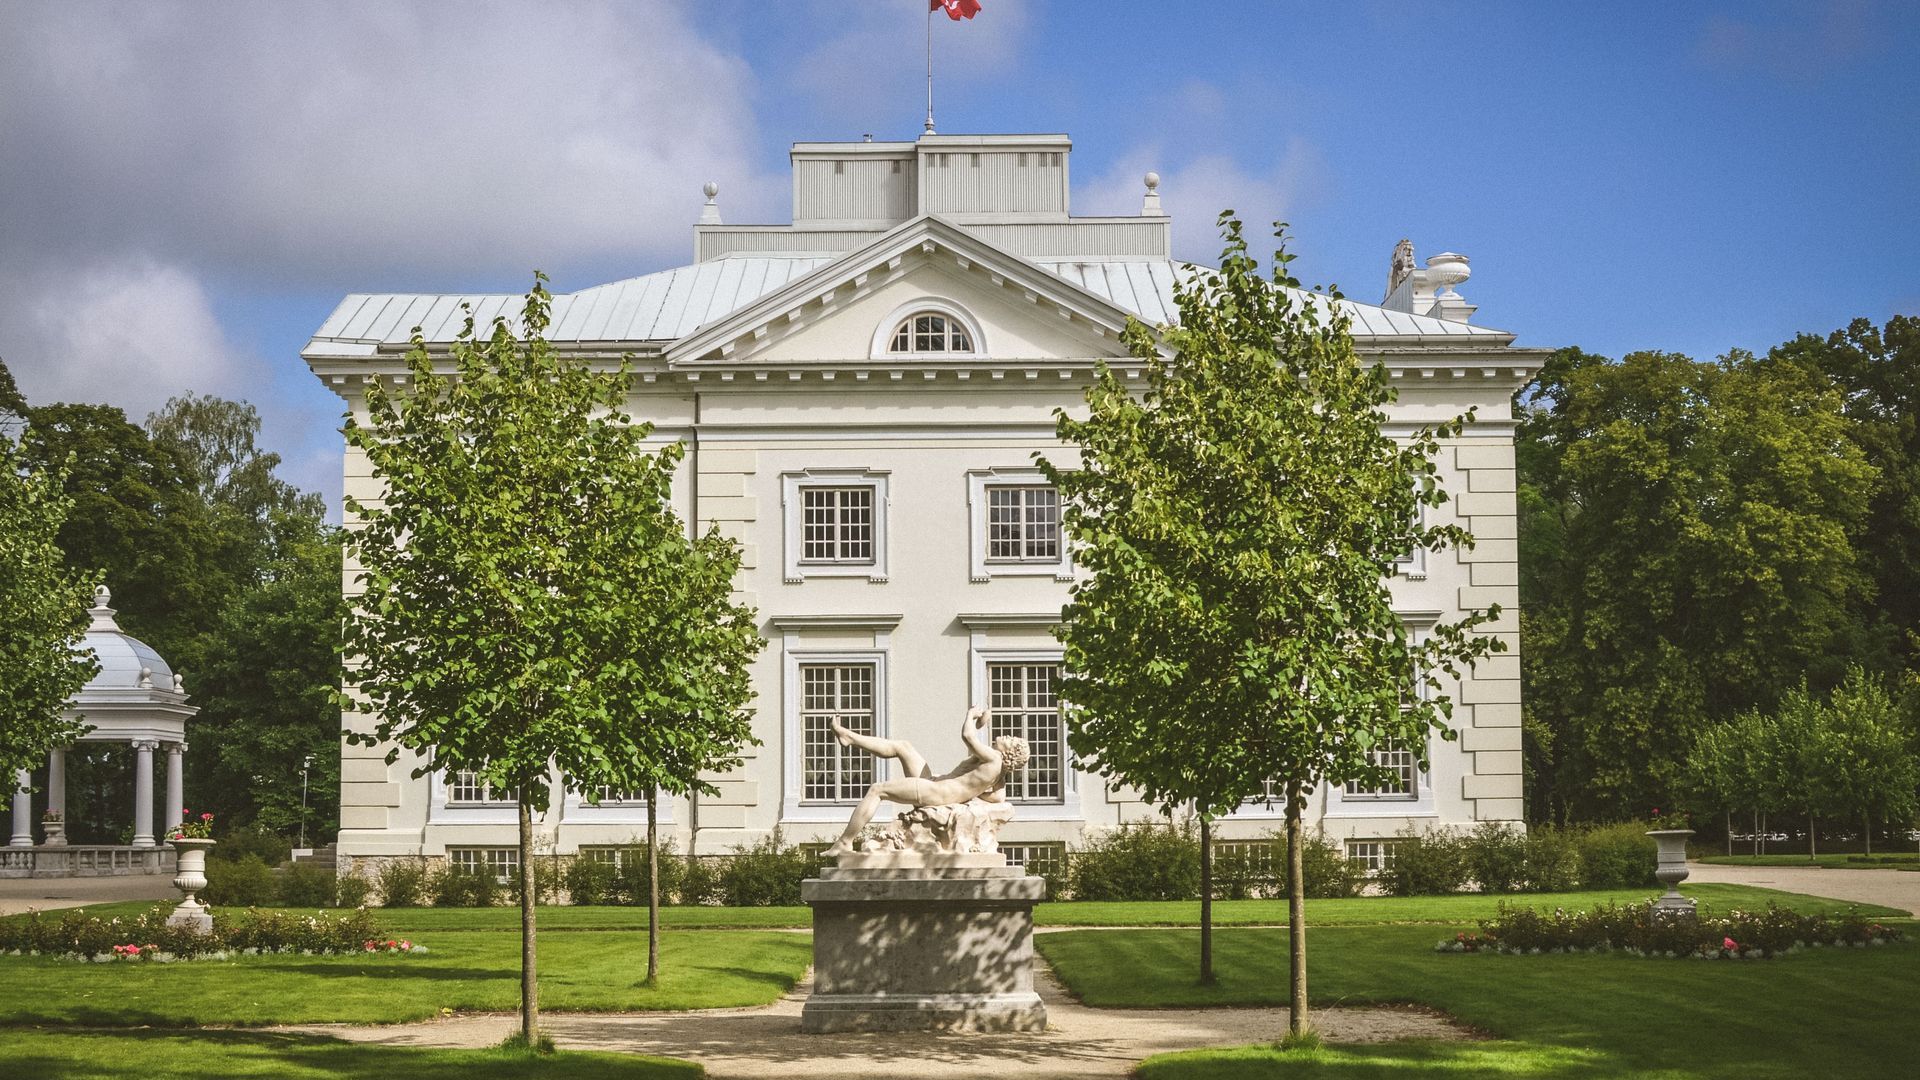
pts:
pixel 710 213
pixel 101 612
pixel 1150 205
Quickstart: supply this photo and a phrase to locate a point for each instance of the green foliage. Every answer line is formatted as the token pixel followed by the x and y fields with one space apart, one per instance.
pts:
pixel 1638 928
pixel 1616 856
pixel 631 883
pixel 591 882
pixel 1329 874
pixel 45 602
pixel 242 881
pixel 1425 863
pixel 1496 857
pixel 1688 537
pixel 352 890
pixel 450 885
pixel 81 934
pixel 402 883
pixel 1552 859
pixel 1138 862
pixel 1240 520
pixel 256 840
pixel 699 882
pixel 308 885
pixel 766 874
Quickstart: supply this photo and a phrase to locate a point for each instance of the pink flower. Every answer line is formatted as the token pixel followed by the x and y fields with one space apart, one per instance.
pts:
pixel 1730 944
pixel 206 817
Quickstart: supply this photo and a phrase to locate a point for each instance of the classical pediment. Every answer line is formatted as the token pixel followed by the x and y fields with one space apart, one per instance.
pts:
pixel 1020 312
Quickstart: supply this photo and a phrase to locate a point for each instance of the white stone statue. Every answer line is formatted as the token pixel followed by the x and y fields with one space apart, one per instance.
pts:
pixel 960 811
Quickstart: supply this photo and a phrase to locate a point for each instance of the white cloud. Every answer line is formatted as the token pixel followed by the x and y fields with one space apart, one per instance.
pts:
pixel 1195 187
pixel 133 332
pixel 309 141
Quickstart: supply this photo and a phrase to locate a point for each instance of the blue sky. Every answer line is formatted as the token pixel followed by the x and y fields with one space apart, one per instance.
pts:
pixel 186 191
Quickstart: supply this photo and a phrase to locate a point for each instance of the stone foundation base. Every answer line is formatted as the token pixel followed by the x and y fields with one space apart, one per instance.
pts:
pixel 923 949
pixel 823 1014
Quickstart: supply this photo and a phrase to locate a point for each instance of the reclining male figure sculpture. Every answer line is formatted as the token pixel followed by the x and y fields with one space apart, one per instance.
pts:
pixel 982 775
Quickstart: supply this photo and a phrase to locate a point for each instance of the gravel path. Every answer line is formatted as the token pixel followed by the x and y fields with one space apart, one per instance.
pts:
pixel 47 894
pixel 1890 888
pixel 750 1044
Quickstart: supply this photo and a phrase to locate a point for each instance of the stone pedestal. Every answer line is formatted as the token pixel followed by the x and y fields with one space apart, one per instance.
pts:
pixel 926 948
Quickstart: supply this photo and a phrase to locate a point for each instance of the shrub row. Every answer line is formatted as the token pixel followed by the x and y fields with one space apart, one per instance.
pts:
pixel 1497 858
pixel 246 880
pixel 75 933
pixel 1639 929
pixel 1162 862
pixel 764 874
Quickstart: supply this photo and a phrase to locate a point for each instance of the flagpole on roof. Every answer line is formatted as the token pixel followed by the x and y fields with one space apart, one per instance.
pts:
pixel 929 69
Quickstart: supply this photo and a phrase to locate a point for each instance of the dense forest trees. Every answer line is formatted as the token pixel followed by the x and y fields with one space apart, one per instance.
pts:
pixel 1699 541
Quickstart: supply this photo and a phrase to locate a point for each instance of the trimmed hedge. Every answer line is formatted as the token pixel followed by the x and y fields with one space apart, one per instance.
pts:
pixel 77 934
pixel 1639 929
pixel 1497 858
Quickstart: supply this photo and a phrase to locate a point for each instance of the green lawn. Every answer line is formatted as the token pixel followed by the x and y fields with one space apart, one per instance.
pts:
pixel 463 971
pixel 251 1055
pixel 424 923
pixel 1828 1013
pixel 1901 860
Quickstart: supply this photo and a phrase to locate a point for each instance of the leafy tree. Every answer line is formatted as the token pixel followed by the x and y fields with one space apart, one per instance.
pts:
pixel 13 406
pixel 530 599
pixel 1687 543
pixel 45 601
pixel 1737 766
pixel 1878 372
pixel 1867 771
pixel 1240 520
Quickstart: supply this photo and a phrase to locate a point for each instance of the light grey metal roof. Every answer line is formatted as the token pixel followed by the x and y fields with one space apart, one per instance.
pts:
pixel 1146 290
pixel 672 304
pixel 655 307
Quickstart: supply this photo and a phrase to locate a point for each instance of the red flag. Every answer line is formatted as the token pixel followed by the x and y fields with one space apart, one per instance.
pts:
pixel 956 9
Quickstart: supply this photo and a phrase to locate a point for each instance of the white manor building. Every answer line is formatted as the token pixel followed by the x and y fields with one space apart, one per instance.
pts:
pixel 861 394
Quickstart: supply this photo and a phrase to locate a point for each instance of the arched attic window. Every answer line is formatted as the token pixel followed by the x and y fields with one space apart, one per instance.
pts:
pixel 928 327
pixel 930 332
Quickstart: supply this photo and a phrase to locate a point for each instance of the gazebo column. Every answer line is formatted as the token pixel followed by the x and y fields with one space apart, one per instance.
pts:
pixel 22 810
pixel 57 781
pixel 176 785
pixel 143 794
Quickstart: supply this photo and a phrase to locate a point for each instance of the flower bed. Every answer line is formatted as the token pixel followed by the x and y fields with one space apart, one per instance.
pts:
pixel 1639 930
pixel 148 937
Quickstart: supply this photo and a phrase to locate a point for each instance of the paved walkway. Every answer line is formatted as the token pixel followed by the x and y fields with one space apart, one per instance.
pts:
pixel 751 1044
pixel 1890 888
pixel 45 894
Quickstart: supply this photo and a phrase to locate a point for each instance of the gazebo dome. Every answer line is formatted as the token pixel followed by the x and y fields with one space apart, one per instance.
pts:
pixel 126 662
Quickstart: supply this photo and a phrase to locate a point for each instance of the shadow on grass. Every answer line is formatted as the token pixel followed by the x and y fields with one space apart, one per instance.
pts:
pixel 1386 1061
pixel 771 978
pixel 238 1055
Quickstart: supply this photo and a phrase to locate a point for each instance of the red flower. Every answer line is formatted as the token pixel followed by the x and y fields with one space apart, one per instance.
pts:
pixel 1730 945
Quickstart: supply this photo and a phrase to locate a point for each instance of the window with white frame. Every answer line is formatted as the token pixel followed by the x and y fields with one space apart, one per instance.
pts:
pixel 1023 523
pixel 1014 516
pixel 830 772
pixel 502 862
pixel 1024 701
pixel 836 524
pixel 1414 563
pixel 465 788
pixel 1046 859
pixel 1272 795
pixel 1402 781
pixel 608 795
pixel 1371 856
pixel 1262 858
pixel 930 332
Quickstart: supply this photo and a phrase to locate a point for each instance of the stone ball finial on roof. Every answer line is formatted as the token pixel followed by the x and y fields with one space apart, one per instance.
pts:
pixel 1153 181
pixel 711 189
pixel 126 662
pixel 102 596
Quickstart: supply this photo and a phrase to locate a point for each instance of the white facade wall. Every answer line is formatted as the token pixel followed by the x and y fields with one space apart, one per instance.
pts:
pixel 805 391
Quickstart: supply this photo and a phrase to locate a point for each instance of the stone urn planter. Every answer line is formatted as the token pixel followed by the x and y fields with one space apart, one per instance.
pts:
pixel 1671 869
pixel 190 879
pixel 56 830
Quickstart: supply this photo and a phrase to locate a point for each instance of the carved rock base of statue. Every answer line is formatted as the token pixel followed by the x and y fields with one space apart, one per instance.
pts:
pixel 906 941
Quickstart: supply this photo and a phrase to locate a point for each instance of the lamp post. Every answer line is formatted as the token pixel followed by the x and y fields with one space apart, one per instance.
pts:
pixel 305 764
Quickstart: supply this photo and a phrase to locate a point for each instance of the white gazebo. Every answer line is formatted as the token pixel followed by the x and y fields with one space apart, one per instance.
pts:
pixel 135 698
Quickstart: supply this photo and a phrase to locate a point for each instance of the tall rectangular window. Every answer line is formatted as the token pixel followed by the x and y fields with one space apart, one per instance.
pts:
pixel 837 524
pixel 1023 524
pixel 1024 702
pixel 1400 785
pixel 829 692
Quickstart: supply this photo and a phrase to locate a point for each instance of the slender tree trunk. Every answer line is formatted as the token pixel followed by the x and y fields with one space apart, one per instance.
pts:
pixel 1869 833
pixel 1763 834
pixel 1729 830
pixel 1206 900
pixel 1813 838
pixel 1297 1025
pixel 1756 830
pixel 653 887
pixel 529 980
